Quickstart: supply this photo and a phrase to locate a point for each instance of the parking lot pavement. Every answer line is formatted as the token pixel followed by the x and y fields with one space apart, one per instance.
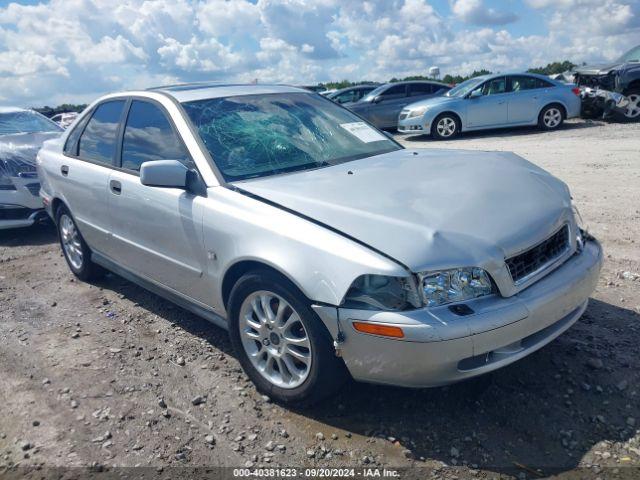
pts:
pixel 110 375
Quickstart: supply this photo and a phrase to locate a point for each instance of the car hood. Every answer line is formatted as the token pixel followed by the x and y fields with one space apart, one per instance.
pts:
pixel 430 209
pixel 598 69
pixel 20 149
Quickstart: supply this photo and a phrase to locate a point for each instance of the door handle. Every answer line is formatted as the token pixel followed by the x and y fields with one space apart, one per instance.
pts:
pixel 64 169
pixel 115 186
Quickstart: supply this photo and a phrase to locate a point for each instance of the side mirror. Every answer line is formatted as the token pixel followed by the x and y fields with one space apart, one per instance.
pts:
pixel 377 99
pixel 476 94
pixel 164 173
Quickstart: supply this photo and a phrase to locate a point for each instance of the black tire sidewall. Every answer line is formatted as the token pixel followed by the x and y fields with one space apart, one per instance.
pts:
pixel 327 372
pixel 434 127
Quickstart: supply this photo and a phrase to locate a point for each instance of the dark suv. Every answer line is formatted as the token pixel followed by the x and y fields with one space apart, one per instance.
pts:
pixel 612 89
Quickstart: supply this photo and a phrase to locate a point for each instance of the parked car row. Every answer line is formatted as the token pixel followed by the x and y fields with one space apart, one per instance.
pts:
pixel 324 247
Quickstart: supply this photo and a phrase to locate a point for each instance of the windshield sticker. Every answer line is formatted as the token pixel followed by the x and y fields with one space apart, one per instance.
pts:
pixel 363 132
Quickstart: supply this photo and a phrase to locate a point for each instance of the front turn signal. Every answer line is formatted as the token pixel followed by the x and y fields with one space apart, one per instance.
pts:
pixel 376 329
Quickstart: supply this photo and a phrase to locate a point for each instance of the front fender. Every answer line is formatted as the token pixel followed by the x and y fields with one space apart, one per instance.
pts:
pixel 321 262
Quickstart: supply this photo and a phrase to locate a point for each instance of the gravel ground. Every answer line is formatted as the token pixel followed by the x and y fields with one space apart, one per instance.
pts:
pixel 108 375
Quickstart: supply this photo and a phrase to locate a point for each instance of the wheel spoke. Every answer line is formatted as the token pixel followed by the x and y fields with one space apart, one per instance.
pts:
pixel 294 352
pixel 291 367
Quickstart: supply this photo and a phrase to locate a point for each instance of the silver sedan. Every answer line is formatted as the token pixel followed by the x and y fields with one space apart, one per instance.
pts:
pixel 324 247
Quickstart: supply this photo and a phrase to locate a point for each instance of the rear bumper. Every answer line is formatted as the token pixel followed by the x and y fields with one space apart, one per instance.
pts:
pixel 441 347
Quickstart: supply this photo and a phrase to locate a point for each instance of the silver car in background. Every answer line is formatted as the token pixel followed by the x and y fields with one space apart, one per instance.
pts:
pixel 323 246
pixel 22 132
pixel 493 101
pixel 382 106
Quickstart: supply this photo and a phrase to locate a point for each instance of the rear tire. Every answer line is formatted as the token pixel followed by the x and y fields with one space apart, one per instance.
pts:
pixel 280 342
pixel 76 251
pixel 551 117
pixel 445 127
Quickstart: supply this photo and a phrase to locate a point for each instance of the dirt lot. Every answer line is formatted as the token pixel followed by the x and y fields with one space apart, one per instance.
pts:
pixel 108 375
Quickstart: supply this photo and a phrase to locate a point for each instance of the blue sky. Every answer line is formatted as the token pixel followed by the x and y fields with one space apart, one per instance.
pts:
pixel 75 50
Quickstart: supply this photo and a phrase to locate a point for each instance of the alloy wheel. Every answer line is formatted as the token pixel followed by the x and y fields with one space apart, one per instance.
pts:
pixel 552 117
pixel 446 127
pixel 275 339
pixel 71 241
pixel 633 109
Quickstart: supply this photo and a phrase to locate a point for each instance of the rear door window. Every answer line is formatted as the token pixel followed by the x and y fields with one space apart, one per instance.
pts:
pixel 148 136
pixel 396 91
pixel 522 82
pixel 416 89
pixel 98 141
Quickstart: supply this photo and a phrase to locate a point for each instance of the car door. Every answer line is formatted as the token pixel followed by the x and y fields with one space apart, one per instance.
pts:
pixel 383 113
pixel 89 156
pixel 525 98
pixel 489 109
pixel 157 232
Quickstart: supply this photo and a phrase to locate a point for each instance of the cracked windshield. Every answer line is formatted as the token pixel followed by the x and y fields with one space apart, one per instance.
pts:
pixel 260 135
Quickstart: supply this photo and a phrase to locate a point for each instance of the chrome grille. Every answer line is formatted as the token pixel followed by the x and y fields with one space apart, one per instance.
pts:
pixel 527 263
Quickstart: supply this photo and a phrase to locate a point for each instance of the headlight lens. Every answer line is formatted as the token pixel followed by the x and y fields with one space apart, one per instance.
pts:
pixel 417 112
pixel 447 286
pixel 380 292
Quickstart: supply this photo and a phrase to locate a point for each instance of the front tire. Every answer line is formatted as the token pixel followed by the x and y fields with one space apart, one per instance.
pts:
pixel 551 117
pixel 76 251
pixel 445 127
pixel 280 342
pixel 632 114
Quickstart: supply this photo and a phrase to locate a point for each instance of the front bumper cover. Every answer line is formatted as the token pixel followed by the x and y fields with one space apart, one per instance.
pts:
pixel 595 99
pixel 441 347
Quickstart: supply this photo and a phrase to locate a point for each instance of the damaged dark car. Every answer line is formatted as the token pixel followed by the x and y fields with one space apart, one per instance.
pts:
pixel 611 90
pixel 21 135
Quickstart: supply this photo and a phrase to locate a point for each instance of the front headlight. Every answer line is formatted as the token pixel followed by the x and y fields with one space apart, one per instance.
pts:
pixel 379 292
pixel 447 286
pixel 417 112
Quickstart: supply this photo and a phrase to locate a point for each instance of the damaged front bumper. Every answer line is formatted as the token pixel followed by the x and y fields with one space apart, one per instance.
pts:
pixel 441 346
pixel 597 101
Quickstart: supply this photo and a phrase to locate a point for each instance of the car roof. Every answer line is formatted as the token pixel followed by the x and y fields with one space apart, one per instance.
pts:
pixel 362 85
pixel 188 92
pixel 516 72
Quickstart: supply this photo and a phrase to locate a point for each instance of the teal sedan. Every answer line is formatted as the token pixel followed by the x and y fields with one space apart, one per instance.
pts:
pixel 493 101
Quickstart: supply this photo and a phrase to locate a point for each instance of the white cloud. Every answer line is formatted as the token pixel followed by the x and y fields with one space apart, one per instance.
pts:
pixel 474 12
pixel 75 50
